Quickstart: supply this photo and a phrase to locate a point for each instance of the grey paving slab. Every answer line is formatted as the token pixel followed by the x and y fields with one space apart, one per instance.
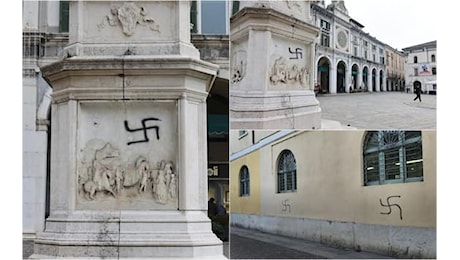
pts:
pixel 251 244
pixel 380 110
pixel 27 248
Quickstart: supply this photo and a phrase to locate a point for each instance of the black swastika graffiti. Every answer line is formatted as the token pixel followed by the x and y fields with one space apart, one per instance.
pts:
pixel 391 205
pixel 297 52
pixel 286 206
pixel 144 128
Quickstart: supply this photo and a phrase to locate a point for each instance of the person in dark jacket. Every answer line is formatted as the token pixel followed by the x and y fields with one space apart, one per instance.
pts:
pixel 212 207
pixel 418 91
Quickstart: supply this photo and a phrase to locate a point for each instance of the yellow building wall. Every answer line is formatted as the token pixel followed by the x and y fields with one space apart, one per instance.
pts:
pixel 245 204
pixel 330 183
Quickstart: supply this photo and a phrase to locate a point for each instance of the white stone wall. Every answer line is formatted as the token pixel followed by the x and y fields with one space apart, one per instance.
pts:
pixel 404 242
pixel 34 162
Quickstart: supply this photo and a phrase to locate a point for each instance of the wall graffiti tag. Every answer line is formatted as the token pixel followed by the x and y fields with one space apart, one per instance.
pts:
pixel 144 128
pixel 389 206
pixel 297 52
pixel 286 207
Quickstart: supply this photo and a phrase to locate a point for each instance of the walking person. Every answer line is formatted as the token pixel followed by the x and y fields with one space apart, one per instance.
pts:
pixel 418 91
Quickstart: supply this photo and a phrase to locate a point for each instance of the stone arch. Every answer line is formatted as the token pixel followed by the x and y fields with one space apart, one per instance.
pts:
pixel 341 76
pixel 365 84
pixel 374 79
pixel 381 82
pixel 354 76
pixel 323 74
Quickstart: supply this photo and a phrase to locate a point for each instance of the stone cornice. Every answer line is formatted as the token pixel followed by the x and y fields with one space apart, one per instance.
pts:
pixel 266 19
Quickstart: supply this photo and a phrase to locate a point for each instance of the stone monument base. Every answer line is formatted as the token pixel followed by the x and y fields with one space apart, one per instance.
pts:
pixel 154 234
pixel 275 110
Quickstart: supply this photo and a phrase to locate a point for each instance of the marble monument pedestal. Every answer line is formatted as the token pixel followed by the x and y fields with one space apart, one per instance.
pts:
pixel 272 64
pixel 128 159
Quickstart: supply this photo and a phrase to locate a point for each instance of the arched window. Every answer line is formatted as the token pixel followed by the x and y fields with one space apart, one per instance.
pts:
pixel 392 157
pixel 287 168
pixel 415 59
pixel 433 58
pixel 244 181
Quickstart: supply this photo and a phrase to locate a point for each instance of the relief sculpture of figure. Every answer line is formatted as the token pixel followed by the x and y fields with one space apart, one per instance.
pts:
pixel 143 167
pixel 278 72
pixel 103 169
pixel 304 77
pixel 173 186
pixel 119 173
pixel 160 192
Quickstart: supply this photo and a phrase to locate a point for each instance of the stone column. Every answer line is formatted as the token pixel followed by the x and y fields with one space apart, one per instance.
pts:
pixel 369 80
pixel 359 78
pixel 384 81
pixel 128 145
pixel 348 79
pixel 272 66
pixel 333 79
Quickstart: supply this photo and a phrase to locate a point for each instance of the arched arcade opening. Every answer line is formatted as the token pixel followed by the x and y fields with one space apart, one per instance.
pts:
pixel 323 75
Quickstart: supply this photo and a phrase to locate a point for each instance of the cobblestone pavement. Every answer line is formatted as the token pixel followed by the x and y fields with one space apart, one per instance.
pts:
pixel 250 244
pixel 380 110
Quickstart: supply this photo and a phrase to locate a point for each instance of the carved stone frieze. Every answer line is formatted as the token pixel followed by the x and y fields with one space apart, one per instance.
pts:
pixel 128 16
pixel 288 74
pixel 107 176
pixel 238 67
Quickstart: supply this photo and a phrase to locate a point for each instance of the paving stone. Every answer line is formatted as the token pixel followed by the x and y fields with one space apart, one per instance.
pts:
pixel 380 110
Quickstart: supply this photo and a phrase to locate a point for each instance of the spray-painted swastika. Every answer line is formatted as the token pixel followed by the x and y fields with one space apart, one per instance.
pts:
pixel 144 128
pixel 297 52
pixel 391 205
pixel 286 206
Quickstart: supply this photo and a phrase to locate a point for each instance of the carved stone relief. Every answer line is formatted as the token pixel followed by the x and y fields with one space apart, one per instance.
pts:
pixel 107 176
pixel 288 74
pixel 238 67
pixel 294 5
pixel 128 16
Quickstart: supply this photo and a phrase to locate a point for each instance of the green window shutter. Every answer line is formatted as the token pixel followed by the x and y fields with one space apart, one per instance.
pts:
pixel 193 18
pixel 64 16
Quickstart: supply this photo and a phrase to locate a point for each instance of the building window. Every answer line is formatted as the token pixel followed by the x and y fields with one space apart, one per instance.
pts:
pixel 365 54
pixel 325 33
pixel 287 179
pixel 209 17
pixel 365 43
pixel 373 57
pixel 355 51
pixel 433 70
pixel 244 181
pixel 64 16
pixel 392 157
pixel 433 58
pixel 235 6
pixel 415 59
pixel 415 71
pixel 242 133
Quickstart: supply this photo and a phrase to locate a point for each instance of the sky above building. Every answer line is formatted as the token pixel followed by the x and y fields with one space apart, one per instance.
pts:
pixel 398 23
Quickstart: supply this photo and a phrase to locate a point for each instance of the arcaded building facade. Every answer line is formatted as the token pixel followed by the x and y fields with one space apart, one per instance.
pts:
pixel 347 58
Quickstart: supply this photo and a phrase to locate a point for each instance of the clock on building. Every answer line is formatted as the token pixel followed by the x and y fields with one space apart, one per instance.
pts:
pixel 342 39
